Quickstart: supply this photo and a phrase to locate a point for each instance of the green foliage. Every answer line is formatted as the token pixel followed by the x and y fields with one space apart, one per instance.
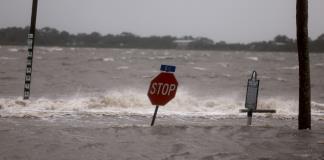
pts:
pixel 51 37
pixel 318 44
pixel 13 36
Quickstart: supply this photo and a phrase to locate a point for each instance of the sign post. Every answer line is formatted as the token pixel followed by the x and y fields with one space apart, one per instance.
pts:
pixel 30 43
pixel 162 88
pixel 154 116
pixel 251 100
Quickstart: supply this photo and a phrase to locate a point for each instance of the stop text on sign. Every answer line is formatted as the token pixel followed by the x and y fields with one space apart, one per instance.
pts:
pixel 164 89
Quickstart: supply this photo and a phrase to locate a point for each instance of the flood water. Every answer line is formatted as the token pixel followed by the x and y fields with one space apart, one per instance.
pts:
pixel 116 81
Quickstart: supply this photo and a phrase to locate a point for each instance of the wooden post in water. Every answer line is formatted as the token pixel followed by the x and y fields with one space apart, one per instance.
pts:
pixel 30 42
pixel 304 117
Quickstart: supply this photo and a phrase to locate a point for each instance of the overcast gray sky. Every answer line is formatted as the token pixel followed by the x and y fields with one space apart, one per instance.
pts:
pixel 229 20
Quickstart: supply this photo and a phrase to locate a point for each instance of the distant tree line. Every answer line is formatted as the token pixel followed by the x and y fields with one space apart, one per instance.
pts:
pixel 52 37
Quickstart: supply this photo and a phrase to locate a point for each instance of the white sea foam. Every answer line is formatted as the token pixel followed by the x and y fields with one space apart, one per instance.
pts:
pixel 13 49
pixel 53 49
pixel 129 51
pixel 147 76
pixel 281 79
pixel 319 64
pixel 143 53
pixel 227 75
pixel 132 102
pixel 318 106
pixel 291 68
pixel 253 58
pixel 282 106
pixel 185 57
pixel 166 53
pixel 122 67
pixel 7 58
pixel 164 57
pixel 199 68
pixel 39 57
pixel 108 59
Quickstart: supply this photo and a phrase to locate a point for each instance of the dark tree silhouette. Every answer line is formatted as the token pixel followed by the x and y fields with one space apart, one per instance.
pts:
pixel 52 37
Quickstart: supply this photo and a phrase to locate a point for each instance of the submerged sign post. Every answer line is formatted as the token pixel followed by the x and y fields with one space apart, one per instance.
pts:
pixel 30 43
pixel 252 91
pixel 162 88
pixel 251 100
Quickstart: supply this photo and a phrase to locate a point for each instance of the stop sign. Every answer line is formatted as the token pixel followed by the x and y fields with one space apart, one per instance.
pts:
pixel 162 89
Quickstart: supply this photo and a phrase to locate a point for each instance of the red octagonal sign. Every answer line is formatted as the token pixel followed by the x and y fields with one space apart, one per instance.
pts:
pixel 163 88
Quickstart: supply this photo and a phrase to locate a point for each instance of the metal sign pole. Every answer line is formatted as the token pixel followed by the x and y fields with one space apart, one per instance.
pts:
pixel 251 100
pixel 249 117
pixel 30 43
pixel 154 116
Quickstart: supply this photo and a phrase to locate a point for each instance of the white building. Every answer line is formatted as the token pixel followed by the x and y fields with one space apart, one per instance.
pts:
pixel 182 43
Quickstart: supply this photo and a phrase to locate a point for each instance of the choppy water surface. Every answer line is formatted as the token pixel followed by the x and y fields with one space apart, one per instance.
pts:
pixel 115 81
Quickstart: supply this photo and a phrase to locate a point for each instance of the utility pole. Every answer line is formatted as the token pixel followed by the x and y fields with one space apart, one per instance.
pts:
pixel 30 43
pixel 304 117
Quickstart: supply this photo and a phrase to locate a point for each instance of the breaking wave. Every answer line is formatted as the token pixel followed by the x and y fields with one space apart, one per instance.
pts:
pixel 130 102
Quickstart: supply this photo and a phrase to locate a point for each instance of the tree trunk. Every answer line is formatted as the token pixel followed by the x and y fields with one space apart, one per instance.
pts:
pixel 304 117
